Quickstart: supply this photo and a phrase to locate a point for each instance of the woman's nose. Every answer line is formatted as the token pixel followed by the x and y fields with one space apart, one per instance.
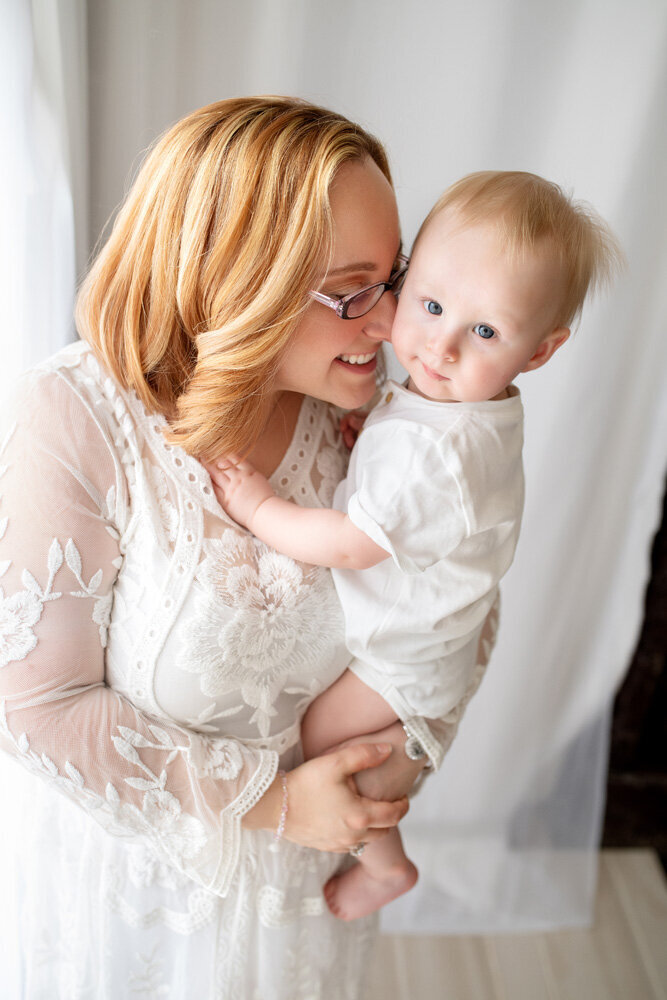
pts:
pixel 380 318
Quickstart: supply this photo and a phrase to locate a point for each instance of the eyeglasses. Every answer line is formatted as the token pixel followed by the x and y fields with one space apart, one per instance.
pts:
pixel 359 303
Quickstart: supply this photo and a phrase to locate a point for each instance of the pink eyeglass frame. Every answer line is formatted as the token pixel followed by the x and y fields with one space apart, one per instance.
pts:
pixel 340 304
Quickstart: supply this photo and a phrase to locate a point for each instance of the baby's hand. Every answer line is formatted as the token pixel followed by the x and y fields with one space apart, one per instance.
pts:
pixel 350 427
pixel 240 488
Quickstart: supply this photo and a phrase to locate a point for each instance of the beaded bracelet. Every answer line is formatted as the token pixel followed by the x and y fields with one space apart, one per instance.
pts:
pixel 280 829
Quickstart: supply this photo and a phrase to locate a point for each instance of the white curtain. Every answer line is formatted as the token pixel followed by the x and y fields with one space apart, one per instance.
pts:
pixel 43 243
pixel 505 835
pixel 44 122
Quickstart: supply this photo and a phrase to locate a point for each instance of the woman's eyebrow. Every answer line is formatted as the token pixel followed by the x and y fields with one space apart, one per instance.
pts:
pixel 351 268
pixel 364 265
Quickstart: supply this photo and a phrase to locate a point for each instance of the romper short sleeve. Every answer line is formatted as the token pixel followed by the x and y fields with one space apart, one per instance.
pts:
pixel 406 497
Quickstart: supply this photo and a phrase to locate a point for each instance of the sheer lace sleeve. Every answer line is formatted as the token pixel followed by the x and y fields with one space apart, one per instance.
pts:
pixel 437 735
pixel 63 515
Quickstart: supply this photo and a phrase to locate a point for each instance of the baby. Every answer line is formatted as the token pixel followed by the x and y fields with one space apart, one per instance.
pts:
pixel 428 517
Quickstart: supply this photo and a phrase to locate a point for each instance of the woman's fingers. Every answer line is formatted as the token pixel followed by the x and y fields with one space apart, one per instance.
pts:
pixel 367 813
pixel 351 759
pixel 378 815
pixel 325 809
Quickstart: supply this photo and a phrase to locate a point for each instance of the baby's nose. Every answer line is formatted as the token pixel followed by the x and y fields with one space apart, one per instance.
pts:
pixel 444 348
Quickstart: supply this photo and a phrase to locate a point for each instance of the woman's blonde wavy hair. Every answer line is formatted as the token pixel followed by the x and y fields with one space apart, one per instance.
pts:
pixel 206 273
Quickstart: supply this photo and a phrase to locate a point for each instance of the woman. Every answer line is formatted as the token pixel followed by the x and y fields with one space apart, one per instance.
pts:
pixel 155 658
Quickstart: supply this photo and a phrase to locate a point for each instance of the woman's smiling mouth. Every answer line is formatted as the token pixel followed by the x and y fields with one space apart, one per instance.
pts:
pixel 360 362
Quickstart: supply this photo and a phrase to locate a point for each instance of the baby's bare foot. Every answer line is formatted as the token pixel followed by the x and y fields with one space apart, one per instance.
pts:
pixel 356 892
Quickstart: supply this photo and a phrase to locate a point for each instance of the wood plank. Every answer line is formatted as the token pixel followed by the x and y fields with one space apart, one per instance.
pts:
pixel 461 968
pixel 622 957
pixel 640 884
pixel 382 979
pixel 431 966
pixel 520 967
pixel 603 963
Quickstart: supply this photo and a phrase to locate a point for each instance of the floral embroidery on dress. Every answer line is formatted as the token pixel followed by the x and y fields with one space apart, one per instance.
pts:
pixel 179 836
pixel 23 609
pixel 145 868
pixel 101 612
pixel 259 619
pixel 18 614
pixel 196 910
pixel 220 759
pixel 150 982
pixel 273 912
pixel 205 721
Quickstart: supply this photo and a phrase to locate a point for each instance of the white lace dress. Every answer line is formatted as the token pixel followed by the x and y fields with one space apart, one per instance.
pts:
pixel 155 661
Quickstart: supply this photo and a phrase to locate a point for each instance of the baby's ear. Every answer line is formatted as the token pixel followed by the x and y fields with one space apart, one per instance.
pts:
pixel 547 348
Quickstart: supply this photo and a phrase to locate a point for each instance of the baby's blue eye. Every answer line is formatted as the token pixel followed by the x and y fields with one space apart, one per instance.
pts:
pixel 484 331
pixel 433 307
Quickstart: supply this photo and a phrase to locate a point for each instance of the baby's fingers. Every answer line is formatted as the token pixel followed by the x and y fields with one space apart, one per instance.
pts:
pixel 217 473
pixel 350 426
pixel 355 419
pixel 228 461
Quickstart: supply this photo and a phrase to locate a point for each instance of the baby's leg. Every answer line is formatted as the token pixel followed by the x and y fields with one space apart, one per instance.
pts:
pixel 383 873
pixel 347 709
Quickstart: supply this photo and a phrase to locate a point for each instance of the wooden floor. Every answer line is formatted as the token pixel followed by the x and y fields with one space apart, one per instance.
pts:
pixel 622 957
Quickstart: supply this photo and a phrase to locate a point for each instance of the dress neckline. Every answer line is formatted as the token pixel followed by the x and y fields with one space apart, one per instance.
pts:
pixel 300 451
pixel 187 470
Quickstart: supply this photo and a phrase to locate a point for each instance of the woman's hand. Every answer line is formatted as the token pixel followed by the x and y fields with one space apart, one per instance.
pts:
pixel 240 489
pixel 397 773
pixel 325 809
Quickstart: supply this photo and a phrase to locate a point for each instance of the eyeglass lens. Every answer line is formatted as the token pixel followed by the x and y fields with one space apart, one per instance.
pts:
pixel 362 303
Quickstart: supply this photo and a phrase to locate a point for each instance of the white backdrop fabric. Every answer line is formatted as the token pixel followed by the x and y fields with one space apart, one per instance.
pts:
pixel 43 113
pixel 43 242
pixel 505 835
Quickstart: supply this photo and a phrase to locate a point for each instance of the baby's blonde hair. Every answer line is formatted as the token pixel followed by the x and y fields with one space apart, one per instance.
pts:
pixel 532 211
pixel 194 298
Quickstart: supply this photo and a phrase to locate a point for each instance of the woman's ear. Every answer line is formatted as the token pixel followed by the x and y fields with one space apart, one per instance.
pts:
pixel 547 348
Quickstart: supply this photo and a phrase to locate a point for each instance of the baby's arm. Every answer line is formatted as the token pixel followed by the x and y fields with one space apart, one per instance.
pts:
pixel 313 535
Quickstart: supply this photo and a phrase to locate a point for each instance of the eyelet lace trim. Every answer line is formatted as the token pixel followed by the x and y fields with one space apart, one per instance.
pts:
pixel 231 831
pixel 291 479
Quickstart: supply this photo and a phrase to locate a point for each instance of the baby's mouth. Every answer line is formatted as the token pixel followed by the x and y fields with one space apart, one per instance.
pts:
pixel 433 374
